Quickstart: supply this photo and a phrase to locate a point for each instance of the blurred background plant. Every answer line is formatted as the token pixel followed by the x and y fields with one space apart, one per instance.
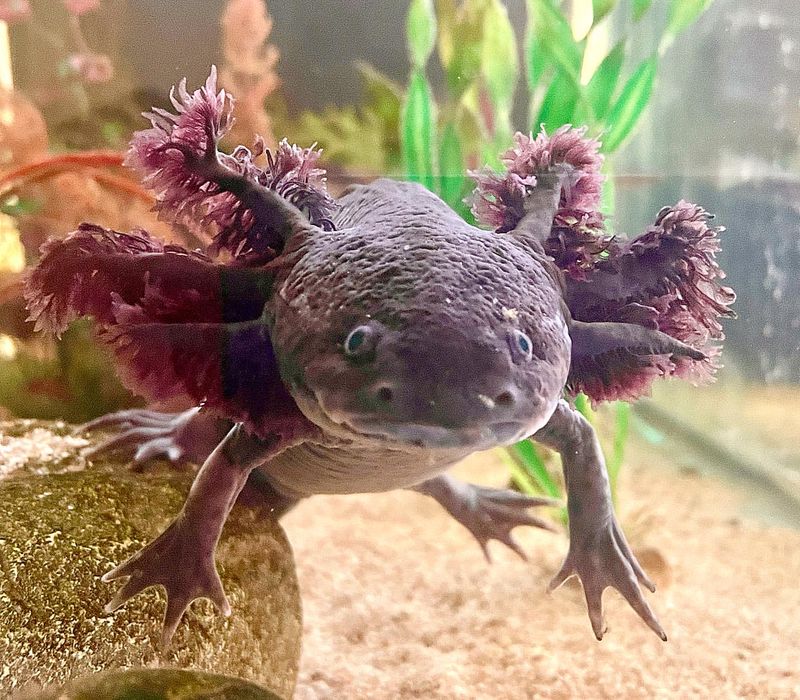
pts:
pixel 61 164
pixel 66 53
pixel 61 154
pixel 248 69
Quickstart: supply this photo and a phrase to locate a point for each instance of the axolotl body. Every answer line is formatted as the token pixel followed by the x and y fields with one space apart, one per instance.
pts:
pixel 370 343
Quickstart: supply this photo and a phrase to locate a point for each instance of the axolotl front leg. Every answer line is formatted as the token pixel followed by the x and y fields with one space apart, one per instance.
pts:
pixel 598 552
pixel 487 513
pixel 181 559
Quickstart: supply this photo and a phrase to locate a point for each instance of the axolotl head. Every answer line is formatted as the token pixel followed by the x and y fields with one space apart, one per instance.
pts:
pixel 422 337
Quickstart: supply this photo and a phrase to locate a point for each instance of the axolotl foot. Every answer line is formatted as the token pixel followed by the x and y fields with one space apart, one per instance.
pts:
pixel 488 513
pixel 601 558
pixel 189 436
pixel 598 553
pixel 181 560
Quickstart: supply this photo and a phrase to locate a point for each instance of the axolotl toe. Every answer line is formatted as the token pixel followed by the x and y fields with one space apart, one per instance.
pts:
pixel 369 343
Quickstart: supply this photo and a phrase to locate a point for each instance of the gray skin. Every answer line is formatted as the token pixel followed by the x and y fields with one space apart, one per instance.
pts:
pixel 440 374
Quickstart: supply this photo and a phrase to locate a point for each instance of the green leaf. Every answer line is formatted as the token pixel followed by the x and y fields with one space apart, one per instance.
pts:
pixel 472 137
pixel 601 8
pixel 682 13
pixel 365 139
pixel 601 87
pixel 378 87
pixel 629 106
pixel 650 433
pixel 554 35
pixel 558 105
pixel 500 66
pixel 536 62
pixel 451 166
pixel 528 457
pixel 621 430
pixel 640 7
pixel 114 133
pixel 447 36
pixel 420 31
pixel 503 132
pixel 583 407
pixel 351 138
pixel 382 96
pixel 418 131
pixel 608 198
pixel 498 143
pixel 519 477
pixel 470 103
pixel 462 59
pixel 581 114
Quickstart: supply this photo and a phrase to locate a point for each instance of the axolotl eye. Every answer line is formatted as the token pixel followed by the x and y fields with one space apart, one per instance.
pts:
pixel 359 342
pixel 523 346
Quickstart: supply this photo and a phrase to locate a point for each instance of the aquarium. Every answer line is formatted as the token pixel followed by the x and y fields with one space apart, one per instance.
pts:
pixel 422 349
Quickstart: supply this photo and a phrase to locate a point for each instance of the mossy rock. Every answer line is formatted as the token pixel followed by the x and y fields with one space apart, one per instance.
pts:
pixel 59 532
pixel 155 684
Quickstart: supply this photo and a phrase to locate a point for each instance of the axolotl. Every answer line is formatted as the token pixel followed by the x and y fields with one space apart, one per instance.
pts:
pixel 369 343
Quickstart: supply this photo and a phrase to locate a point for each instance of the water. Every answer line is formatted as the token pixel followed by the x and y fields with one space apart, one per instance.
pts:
pixel 717 123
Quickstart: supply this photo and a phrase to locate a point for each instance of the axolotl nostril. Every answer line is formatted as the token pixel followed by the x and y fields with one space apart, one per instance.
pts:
pixel 369 343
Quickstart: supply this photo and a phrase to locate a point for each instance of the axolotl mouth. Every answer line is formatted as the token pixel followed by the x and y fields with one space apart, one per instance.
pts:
pixel 367 427
pixel 473 438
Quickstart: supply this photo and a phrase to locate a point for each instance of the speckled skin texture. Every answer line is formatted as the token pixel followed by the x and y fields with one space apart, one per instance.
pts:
pixel 444 300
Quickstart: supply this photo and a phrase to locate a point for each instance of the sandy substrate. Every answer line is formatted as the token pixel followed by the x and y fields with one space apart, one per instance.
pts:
pixel 399 602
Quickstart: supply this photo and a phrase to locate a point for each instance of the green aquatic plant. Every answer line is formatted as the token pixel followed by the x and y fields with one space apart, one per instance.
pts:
pixel 363 139
pixel 565 83
pixel 568 79
pixel 568 85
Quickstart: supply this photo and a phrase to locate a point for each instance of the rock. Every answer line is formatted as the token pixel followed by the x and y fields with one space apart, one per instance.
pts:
pixel 65 522
pixel 155 684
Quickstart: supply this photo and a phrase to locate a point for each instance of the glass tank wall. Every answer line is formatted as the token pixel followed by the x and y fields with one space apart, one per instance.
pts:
pixel 695 100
